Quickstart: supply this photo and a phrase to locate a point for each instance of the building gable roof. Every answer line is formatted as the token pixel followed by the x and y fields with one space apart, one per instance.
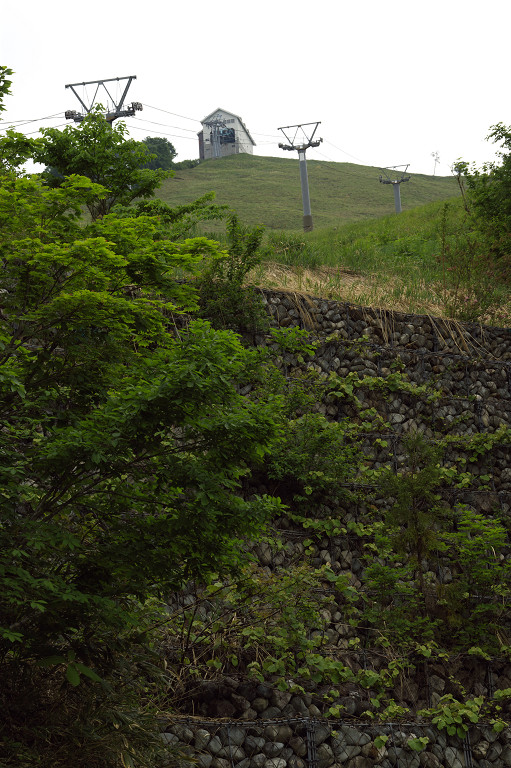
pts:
pixel 226 112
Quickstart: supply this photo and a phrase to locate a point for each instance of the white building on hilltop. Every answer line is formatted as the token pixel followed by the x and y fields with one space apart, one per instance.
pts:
pixel 224 133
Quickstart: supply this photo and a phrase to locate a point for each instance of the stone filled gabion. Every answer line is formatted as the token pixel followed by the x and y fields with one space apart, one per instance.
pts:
pixel 470 367
pixel 467 364
pixel 313 743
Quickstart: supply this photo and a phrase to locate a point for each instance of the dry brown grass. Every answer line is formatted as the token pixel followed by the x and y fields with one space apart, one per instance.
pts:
pixel 346 286
pixel 370 290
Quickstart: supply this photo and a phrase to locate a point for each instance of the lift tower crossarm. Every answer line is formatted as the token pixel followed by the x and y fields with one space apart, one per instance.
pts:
pixel 118 107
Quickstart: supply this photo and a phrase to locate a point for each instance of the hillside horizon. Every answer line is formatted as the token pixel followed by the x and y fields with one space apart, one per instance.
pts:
pixel 266 190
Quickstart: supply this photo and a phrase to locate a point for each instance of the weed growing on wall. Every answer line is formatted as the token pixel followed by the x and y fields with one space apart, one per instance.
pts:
pixel 223 298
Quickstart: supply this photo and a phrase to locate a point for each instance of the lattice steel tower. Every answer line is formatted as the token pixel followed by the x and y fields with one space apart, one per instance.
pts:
pixel 119 109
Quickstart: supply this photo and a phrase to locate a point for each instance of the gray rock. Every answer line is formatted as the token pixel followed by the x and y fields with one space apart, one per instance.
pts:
pixel 202 738
pixel 273 748
pixel 275 762
pixel 240 702
pixel 360 762
pixel 349 705
pixel 233 736
pixel 278 733
pixel 204 760
pixel 280 699
pixel 271 713
pixel 494 752
pixel 169 738
pixel 298 746
pixel 321 733
pixel 183 733
pixel 220 762
pixel 260 704
pixel 254 743
pixel 215 745
pixel 325 756
pixel 347 752
pixel 428 760
pixel 222 708
pixel 453 758
pixel 490 735
pixel 397 755
pixel 249 714
pixel 353 736
pixel 258 761
pixel 436 684
pixel 296 762
pixel 480 750
pixel 232 753
pixel 299 705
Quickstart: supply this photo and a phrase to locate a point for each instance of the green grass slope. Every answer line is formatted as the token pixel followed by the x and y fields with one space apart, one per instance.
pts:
pixel 266 190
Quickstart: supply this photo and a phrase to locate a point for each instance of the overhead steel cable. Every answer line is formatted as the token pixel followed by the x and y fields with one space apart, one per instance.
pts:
pixel 163 133
pixel 159 109
pixel 18 123
pixel 346 153
pixel 62 125
pixel 165 125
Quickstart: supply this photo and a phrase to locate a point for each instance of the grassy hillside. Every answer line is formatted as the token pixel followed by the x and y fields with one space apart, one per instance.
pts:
pixel 415 262
pixel 266 190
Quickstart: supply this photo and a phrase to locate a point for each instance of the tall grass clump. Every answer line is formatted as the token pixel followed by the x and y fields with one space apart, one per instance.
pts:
pixel 293 249
pixel 425 261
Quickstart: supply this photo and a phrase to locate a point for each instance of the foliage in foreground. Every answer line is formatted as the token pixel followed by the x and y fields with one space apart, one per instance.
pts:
pixel 103 154
pixel 123 448
pixel 126 450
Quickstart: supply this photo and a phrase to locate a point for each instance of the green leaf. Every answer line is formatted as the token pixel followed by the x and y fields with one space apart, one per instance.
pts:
pixel 418 744
pixel 72 675
pixel 88 672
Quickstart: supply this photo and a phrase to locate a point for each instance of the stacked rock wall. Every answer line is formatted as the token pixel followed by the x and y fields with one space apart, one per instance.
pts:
pixel 312 743
pixel 469 367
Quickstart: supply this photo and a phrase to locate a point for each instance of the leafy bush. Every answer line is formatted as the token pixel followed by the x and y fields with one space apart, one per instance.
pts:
pixel 314 458
pixel 123 448
pixel 224 299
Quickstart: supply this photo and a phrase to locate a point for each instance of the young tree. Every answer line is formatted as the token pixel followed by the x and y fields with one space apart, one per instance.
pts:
pixel 163 153
pixel 123 445
pixel 5 84
pixel 104 155
pixel 490 193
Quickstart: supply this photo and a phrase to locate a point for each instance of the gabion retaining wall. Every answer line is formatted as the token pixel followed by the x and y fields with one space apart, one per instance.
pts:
pixel 314 743
pixel 467 364
pixel 470 366
pixel 421 333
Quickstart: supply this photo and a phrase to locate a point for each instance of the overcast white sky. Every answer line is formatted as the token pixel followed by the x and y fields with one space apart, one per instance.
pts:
pixel 391 82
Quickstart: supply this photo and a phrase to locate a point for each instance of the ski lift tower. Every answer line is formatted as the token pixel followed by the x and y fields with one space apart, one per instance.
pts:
pixel 396 183
pixel 119 108
pixel 215 127
pixel 301 141
pixel 436 158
